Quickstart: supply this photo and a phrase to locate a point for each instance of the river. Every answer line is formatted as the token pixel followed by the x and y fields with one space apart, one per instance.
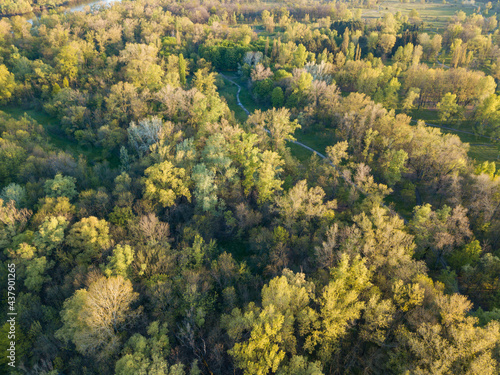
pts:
pixel 81 6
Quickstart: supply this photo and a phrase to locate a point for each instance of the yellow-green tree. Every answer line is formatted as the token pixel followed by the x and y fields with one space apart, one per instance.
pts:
pixel 7 84
pixel 88 238
pixel 164 184
pixel 93 318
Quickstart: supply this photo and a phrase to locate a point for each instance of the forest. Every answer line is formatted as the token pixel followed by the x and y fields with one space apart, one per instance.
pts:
pixel 250 187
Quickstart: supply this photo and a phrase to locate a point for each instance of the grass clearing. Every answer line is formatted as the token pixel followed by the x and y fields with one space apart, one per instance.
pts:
pixel 434 14
pixel 58 138
pixel 228 91
pixel 481 149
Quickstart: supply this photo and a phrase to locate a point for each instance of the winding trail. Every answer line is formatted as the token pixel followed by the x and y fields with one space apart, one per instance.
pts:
pixel 440 63
pixel 289 140
pixel 352 184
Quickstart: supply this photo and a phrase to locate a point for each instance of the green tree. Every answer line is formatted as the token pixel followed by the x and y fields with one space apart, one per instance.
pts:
pixel 50 234
pixel 393 164
pixel 300 56
pixel 14 192
pixel 204 81
pixel 61 187
pixel 277 97
pixel 205 188
pixel 34 274
pixel 409 101
pixel 467 254
pixel 487 115
pixel 119 263
pixel 182 69
pixel 272 329
pixel 68 60
pixel 11 157
pixel 391 97
pixel 146 355
pixel 448 108
pixel 141 68
pixel 299 365
pixel 261 353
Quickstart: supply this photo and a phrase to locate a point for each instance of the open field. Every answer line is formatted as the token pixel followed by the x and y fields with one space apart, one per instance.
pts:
pixel 433 14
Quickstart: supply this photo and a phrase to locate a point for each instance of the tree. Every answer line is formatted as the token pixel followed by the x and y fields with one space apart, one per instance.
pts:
pixel 34 273
pixel 448 107
pixel 125 104
pixel 48 207
pixel 409 101
pixel 7 84
pixel 182 69
pixel 89 238
pixel 391 98
pixel 300 206
pixel 148 132
pixel 268 21
pixel 261 353
pixel 164 183
pixel 205 188
pixel 50 234
pixel 300 56
pixel 146 355
pixel 487 116
pixel 93 318
pixel 339 305
pixel 299 365
pixel 260 73
pixel 205 81
pixel 61 187
pixel 68 59
pixel 439 231
pixel 345 41
pixel 141 68
pixel 393 164
pixel 267 175
pixel 119 263
pixel 11 157
pixel 277 97
pixel 301 86
pixel 277 123
pixel 338 152
pixel 14 192
pixel 452 343
pixel 386 42
pixel 284 301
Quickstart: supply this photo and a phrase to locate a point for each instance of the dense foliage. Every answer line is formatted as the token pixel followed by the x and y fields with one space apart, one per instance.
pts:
pixel 155 232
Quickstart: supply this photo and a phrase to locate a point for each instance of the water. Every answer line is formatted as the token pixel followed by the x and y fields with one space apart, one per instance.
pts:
pixel 81 7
